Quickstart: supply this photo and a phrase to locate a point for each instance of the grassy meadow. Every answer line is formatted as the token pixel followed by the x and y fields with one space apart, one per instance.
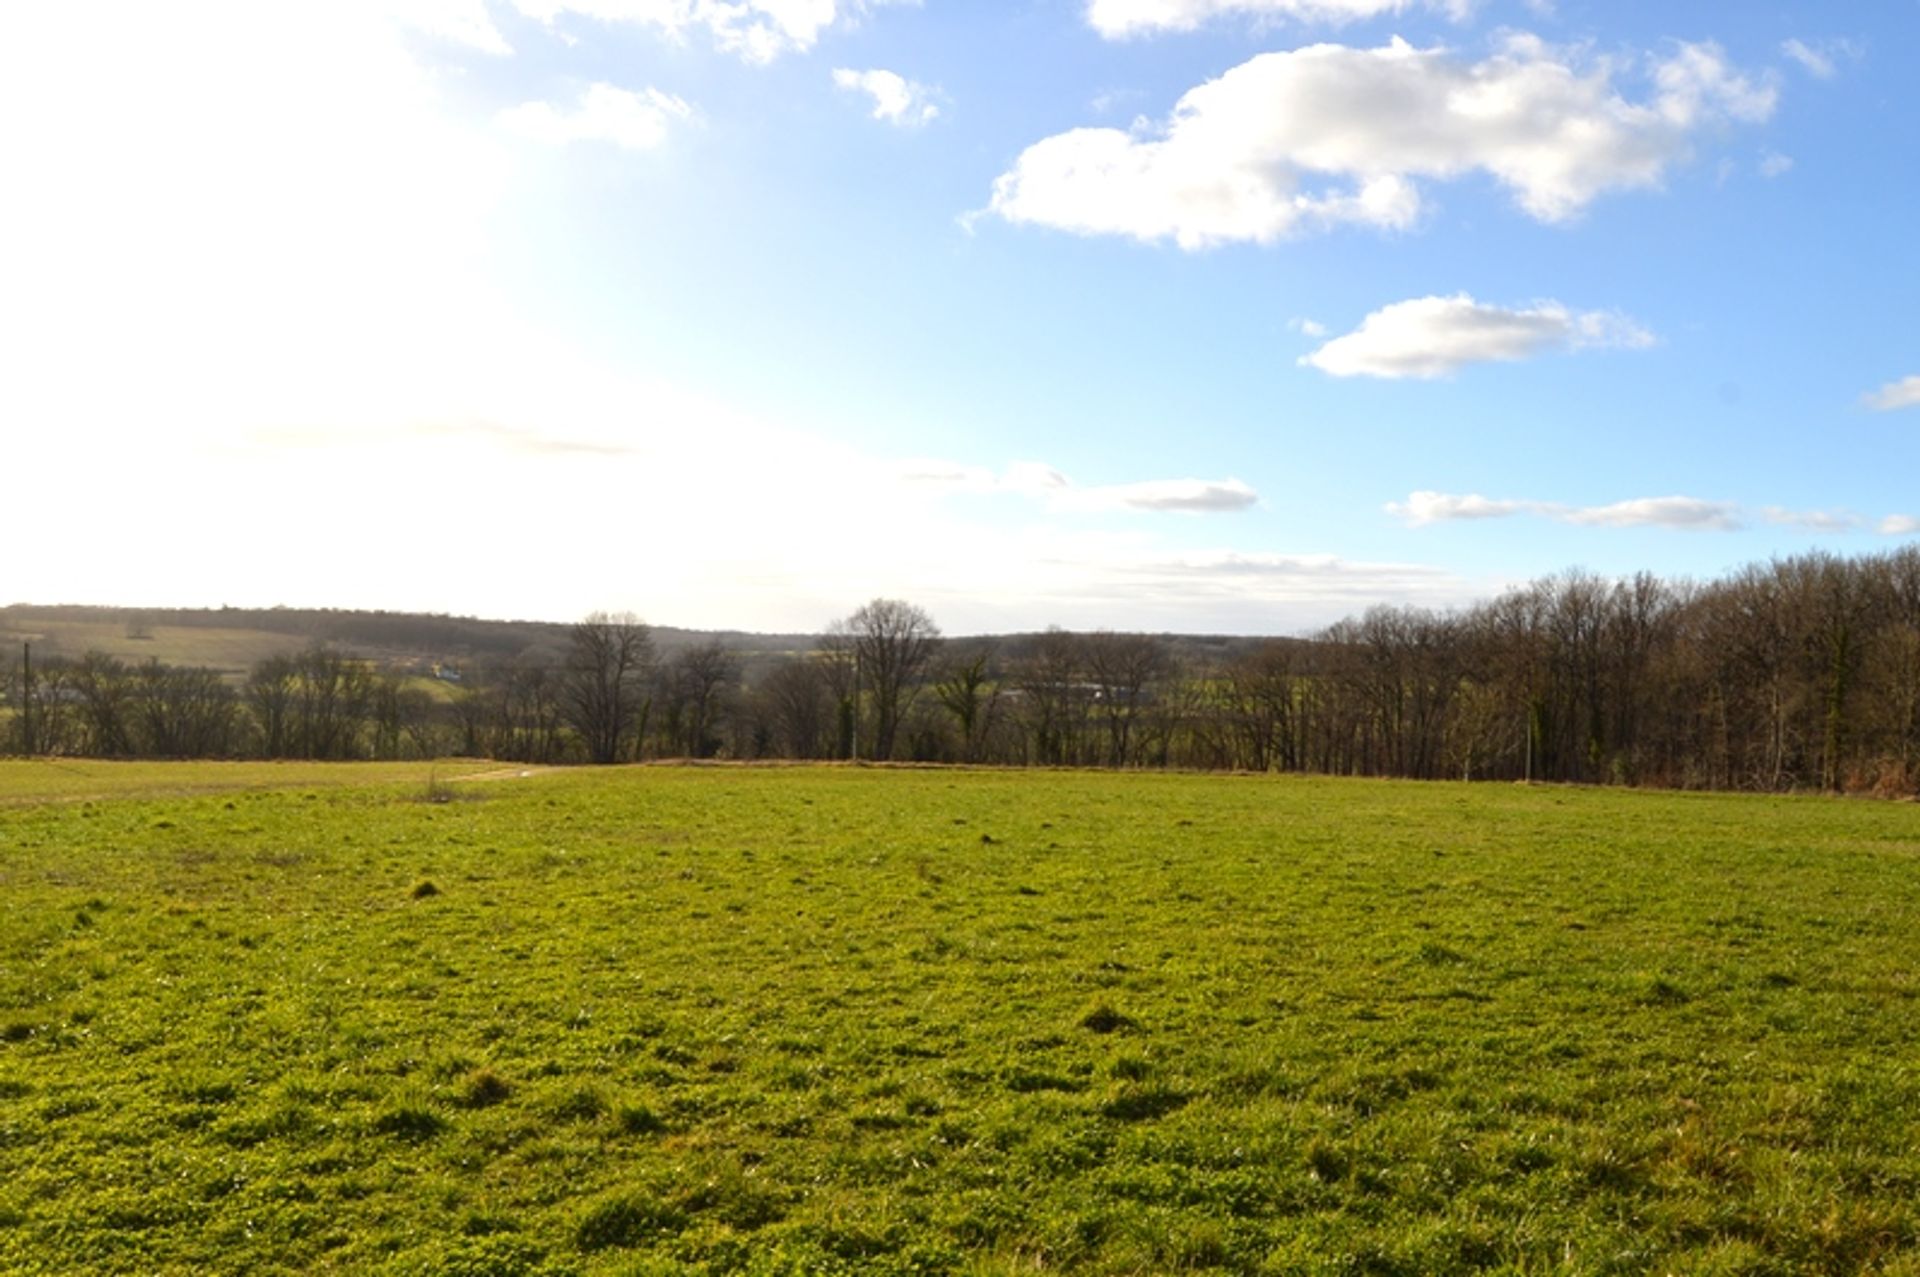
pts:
pixel 234 649
pixel 832 1020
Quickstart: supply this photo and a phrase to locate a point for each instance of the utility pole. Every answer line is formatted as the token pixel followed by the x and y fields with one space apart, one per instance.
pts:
pixel 1529 744
pixel 26 698
pixel 853 733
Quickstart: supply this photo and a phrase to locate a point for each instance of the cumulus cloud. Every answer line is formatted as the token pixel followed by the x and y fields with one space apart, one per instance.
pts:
pixel 757 30
pixel 1117 19
pixel 1904 393
pixel 1899 525
pixel 896 99
pixel 1329 134
pixel 1422 508
pixel 1435 336
pixel 636 121
pixel 1044 483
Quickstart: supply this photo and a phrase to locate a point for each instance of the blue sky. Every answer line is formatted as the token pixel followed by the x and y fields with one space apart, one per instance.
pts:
pixel 1200 315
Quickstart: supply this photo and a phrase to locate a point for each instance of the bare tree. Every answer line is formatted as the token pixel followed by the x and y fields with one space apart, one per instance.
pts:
pixel 332 699
pixel 1055 699
pixel 184 713
pixel 604 687
pixel 269 694
pixel 968 688
pixel 892 643
pixel 799 705
pixel 104 694
pixel 1123 669
pixel 699 679
pixel 1256 696
pixel 840 670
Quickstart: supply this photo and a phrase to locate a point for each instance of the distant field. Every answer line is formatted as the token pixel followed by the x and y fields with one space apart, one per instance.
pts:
pixel 233 651
pixel 24 781
pixel 818 1020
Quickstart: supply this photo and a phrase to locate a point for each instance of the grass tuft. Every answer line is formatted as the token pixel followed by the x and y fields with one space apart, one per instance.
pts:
pixel 484 1088
pixel 1102 1018
pixel 414 1123
pixel 1661 992
pixel 624 1220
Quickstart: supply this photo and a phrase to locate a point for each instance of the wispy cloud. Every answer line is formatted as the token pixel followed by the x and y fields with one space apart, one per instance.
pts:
pixel 463 22
pixel 758 32
pixel 896 99
pixel 1118 19
pixel 603 113
pixel 1661 512
pixel 1435 336
pixel 1190 496
pixel 1820 58
pixel 1904 393
pixel 1812 520
pixel 1423 508
pixel 1774 164
pixel 1044 483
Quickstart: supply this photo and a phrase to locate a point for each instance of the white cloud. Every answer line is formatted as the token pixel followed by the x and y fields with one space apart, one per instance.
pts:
pixel 1904 393
pixel 463 22
pixel 1422 508
pixel 1435 336
pixel 1042 482
pixel 636 121
pixel 1308 327
pixel 1116 19
pixel 1325 585
pixel 1818 64
pixel 1811 520
pixel 757 30
pixel 1328 134
pixel 1774 164
pixel 234 318
pixel 896 99
pixel 1190 496
pixel 1821 58
pixel 1665 512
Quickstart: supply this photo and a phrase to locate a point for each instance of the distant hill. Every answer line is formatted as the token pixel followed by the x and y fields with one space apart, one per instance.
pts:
pixel 232 640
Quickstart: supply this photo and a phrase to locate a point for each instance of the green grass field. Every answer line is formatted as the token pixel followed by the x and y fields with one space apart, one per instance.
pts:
pixel 817 1020
pixel 233 650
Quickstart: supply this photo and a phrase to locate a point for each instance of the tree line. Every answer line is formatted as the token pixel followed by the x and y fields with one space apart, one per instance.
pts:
pixel 1801 672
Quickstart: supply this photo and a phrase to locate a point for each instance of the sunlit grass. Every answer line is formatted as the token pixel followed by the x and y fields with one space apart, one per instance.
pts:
pixel 840 1020
pixel 27 781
